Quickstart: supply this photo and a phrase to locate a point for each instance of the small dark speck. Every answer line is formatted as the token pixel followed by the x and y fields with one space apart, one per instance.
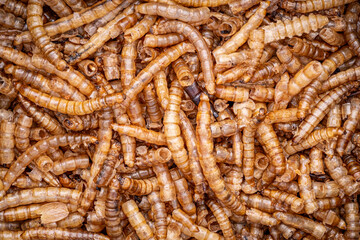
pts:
pixel 336 71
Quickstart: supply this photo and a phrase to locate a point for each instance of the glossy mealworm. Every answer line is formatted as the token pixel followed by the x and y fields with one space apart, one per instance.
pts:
pixel 139 186
pixel 316 229
pixel 197 3
pixel 340 175
pixel 160 215
pixel 72 21
pixel 208 162
pixel 69 107
pixel 342 77
pixel 101 151
pixel 242 35
pixel 39 195
pixel 306 191
pixel 18 58
pixel 9 20
pixel 304 48
pixel 351 216
pixel 152 105
pixel 191 15
pixel 137 220
pixel 313 139
pixel 41 147
pixel 222 219
pixel 18 8
pixel 353 166
pixel 41 39
pixel 321 109
pixel 330 36
pixel 273 31
pixel 183 194
pixel 44 120
pixel 140 29
pixel 266 135
pixel 61 233
pixel 172 130
pixel 127 7
pixel 164 40
pixel 352 38
pixel 331 218
pixel 166 184
pixel 200 45
pixel 141 133
pixel 6 87
pixel 36 80
pixel 111 30
pixel 329 66
pixel 144 77
pixel 112 211
pixel 313 5
pixel 257 216
pixel 7 142
pixel 25 212
pixel 127 73
pixel 70 164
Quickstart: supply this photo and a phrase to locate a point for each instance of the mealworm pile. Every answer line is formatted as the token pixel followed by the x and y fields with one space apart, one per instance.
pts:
pixel 179 119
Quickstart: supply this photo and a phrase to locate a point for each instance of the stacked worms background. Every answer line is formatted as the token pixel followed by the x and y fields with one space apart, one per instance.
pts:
pixel 179 119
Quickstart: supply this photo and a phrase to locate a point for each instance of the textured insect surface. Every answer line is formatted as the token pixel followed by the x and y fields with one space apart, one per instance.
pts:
pixel 141 133
pixel 340 175
pixel 34 151
pixel 41 39
pixel 158 208
pixel 222 219
pixel 137 220
pixel 76 5
pixel 207 160
pixel 38 195
pixel 349 127
pixel 60 233
pixel 314 138
pixel 179 119
pixel 9 20
pixel 7 142
pixel 172 129
pixel 297 204
pixel 274 31
pixel 59 7
pixel 72 21
pixel 321 109
pixel 183 194
pixel 166 183
pixel 191 15
pixel 199 43
pixel 305 224
pixel 351 36
pixel 330 36
pixel 313 5
pixel 306 192
pixel 242 35
pixel 303 48
pixel 351 216
pixel 111 30
pixel 329 66
pixel 292 63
